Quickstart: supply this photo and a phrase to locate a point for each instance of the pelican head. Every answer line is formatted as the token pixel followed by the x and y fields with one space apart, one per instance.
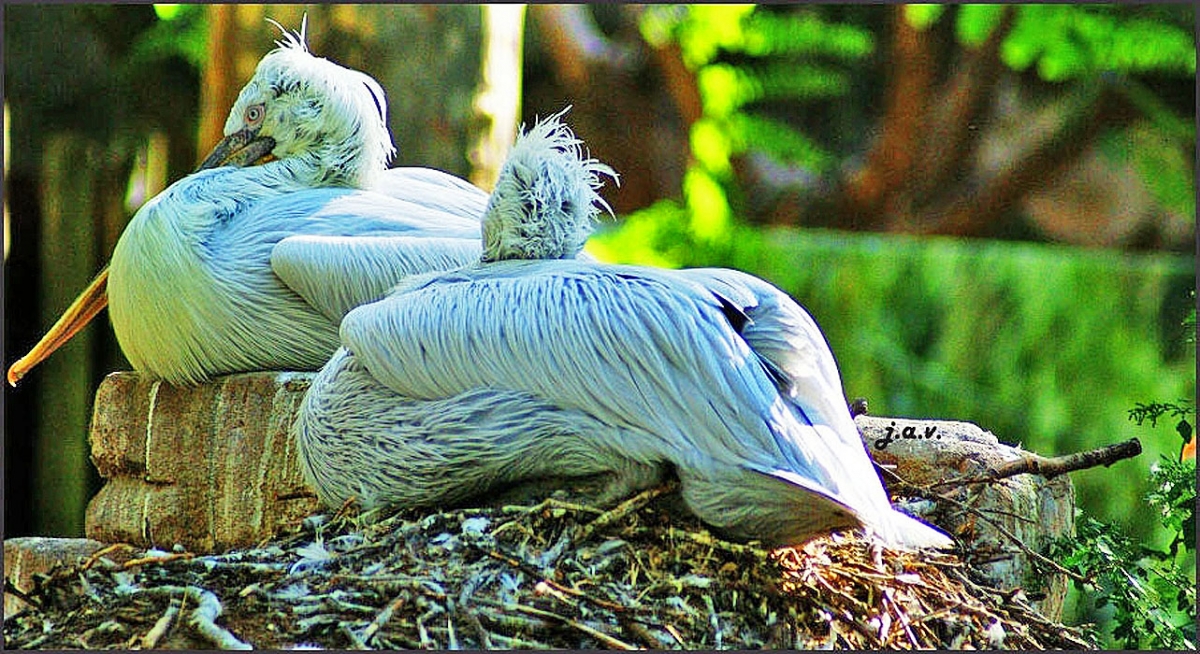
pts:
pixel 326 123
pixel 545 200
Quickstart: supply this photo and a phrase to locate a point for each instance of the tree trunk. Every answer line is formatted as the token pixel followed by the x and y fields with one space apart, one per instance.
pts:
pixel 498 101
pixel 68 259
pixel 219 85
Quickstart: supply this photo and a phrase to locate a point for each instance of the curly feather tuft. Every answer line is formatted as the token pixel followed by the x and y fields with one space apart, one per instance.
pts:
pixel 293 40
pixel 545 202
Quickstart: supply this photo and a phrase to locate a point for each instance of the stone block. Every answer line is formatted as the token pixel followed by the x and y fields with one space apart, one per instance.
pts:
pixel 28 556
pixel 1031 508
pixel 210 467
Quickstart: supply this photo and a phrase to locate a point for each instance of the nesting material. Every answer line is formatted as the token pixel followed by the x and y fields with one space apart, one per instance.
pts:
pixel 546 574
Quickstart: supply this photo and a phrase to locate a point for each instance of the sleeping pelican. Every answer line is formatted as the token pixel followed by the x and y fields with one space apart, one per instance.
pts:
pixel 529 364
pixel 250 262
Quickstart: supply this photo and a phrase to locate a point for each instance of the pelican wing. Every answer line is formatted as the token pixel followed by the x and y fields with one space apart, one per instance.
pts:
pixel 337 273
pixel 433 189
pixel 632 346
pixel 338 248
pixel 785 337
pixel 791 347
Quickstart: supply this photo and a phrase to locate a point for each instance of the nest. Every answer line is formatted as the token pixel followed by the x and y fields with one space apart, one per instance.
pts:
pixel 550 574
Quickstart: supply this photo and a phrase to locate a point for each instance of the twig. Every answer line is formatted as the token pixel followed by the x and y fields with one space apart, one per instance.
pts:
pixel 164 624
pixel 1050 467
pixel 157 559
pixel 485 641
pixel 208 609
pixel 676 635
pixel 537 573
pixel 624 509
pixel 354 639
pixel 705 538
pixel 91 560
pixel 640 632
pixel 382 618
pixel 11 589
pixel 550 503
pixel 608 640
pixel 928 492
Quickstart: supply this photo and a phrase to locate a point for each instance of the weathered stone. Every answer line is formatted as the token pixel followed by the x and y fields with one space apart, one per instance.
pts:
pixel 27 556
pixel 210 467
pixel 1029 507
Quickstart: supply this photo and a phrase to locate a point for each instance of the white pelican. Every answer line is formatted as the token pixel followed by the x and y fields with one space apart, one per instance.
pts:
pixel 246 267
pixel 528 365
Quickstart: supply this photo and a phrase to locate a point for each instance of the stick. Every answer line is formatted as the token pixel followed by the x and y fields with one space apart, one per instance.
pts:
pixel 203 620
pixel 624 509
pixel 382 618
pixel 598 635
pixel 91 560
pixel 163 625
pixel 1004 532
pixel 1050 467
pixel 157 559
pixel 11 589
pixel 208 608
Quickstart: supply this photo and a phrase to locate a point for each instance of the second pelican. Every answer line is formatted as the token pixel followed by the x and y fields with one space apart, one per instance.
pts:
pixel 528 365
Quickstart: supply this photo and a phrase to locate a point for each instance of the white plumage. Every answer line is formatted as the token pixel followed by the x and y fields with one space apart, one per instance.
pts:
pixel 460 381
pixel 246 265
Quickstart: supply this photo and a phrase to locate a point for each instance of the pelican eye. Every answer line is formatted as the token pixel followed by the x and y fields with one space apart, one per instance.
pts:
pixel 254 114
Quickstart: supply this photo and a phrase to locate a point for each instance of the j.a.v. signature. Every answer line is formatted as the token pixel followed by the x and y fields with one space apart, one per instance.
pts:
pixel 890 435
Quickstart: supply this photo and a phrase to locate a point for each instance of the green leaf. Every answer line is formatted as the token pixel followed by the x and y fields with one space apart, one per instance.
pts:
pixel 711 146
pixel 709 208
pixel 923 15
pixel 808 34
pixel 166 12
pixel 976 22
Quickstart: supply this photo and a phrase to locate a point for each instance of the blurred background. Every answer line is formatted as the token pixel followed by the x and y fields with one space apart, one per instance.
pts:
pixel 990 210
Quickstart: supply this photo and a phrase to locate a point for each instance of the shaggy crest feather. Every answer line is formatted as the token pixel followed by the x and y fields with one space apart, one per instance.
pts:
pixel 545 201
pixel 294 40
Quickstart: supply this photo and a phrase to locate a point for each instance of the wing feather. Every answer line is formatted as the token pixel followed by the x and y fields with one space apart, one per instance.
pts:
pixel 623 346
pixel 337 273
pixel 433 189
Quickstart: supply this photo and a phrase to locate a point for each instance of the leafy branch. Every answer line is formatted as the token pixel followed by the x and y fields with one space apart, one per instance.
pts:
pixel 1153 593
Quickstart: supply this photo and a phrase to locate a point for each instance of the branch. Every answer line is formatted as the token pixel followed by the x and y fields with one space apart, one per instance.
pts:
pixel 623 509
pixel 1050 467
pixel 578 49
pixel 219 87
pixel 868 192
pixel 972 210
pixel 954 130
pixel 928 492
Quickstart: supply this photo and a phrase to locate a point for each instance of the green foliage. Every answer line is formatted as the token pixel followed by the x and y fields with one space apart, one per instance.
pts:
pixel 1070 41
pixel 182 30
pixel 1152 594
pixel 1155 410
pixel 745 58
pixel 976 22
pixel 1173 496
pixel 1073 41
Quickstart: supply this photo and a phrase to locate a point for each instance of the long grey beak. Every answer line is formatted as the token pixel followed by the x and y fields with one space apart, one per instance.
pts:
pixel 241 148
